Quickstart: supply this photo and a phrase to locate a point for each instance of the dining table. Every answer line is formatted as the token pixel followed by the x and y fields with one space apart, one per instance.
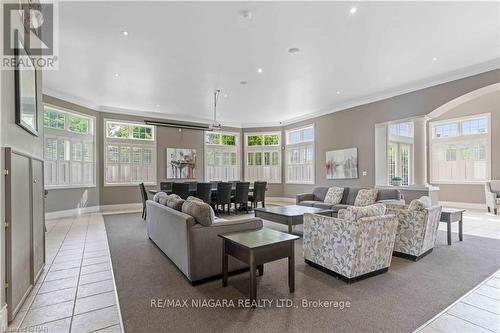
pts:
pixel 192 191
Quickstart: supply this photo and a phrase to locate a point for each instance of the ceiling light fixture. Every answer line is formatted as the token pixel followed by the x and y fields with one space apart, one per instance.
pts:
pixel 216 126
pixel 259 70
pixel 353 10
pixel 434 59
pixel 225 95
pixel 125 33
pixel 117 75
pixel 246 14
pixel 338 92
pixel 243 82
pixel 157 105
pixel 293 50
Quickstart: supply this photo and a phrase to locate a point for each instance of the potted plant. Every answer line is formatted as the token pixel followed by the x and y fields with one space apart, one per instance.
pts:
pixel 396 181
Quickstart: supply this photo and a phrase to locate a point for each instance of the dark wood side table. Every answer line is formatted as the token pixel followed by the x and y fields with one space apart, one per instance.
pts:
pixel 255 248
pixel 289 215
pixel 450 215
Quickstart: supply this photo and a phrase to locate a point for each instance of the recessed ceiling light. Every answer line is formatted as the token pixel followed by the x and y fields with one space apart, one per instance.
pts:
pixel 353 10
pixel 125 33
pixel 434 59
pixel 157 105
pixel 243 82
pixel 293 50
pixel 338 92
pixel 259 70
pixel 117 75
pixel 225 95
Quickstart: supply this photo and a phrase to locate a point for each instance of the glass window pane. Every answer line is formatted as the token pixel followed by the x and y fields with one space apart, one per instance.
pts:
pixel 88 155
pixel 474 126
pixel 124 154
pixel 76 154
pixel 258 158
pixel 254 140
pixel 212 138
pixel 234 160
pixel 308 134
pixel 446 130
pixel 228 140
pixel 136 155
pixel 293 137
pixel 112 154
pixel 271 140
pixel 451 153
pixel 78 124
pixel 115 130
pixel 267 158
pixel 147 156
pixel 53 119
pixel 51 149
pixel 275 158
pixel 250 160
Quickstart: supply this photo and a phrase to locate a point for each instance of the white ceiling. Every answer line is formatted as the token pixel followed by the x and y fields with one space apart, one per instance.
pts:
pixel 176 54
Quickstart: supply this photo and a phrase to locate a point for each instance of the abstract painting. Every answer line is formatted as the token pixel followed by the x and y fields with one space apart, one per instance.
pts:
pixel 181 163
pixel 342 164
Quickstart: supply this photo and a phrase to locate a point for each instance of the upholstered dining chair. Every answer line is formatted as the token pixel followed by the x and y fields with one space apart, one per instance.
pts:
pixel 144 197
pixel 223 196
pixel 259 194
pixel 166 186
pixel 204 192
pixel 241 196
pixel 181 189
pixel 492 192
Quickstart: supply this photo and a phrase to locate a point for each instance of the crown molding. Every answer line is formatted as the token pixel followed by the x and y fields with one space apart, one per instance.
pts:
pixel 401 90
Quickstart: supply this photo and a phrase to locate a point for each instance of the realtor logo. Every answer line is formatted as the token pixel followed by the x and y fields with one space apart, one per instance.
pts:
pixel 34 25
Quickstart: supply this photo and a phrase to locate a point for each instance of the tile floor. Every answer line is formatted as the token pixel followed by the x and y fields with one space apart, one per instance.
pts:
pixel 76 291
pixel 478 311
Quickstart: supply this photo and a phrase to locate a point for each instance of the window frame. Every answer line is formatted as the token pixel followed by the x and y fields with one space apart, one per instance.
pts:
pixel 68 135
pixel 458 141
pixel 263 149
pixel 221 146
pixel 289 146
pixel 131 143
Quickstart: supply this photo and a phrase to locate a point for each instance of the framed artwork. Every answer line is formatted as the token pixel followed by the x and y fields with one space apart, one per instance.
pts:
pixel 25 89
pixel 181 163
pixel 342 164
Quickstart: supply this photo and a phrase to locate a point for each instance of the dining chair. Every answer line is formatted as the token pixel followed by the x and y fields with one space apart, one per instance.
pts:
pixel 223 196
pixel 181 189
pixel 144 196
pixel 259 194
pixel 166 186
pixel 241 196
pixel 204 192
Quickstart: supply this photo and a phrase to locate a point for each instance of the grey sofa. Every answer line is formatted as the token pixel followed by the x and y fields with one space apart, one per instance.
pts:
pixel 195 249
pixel 317 197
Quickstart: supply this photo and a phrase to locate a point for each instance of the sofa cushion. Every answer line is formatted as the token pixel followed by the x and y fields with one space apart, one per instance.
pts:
pixel 338 207
pixel 355 213
pixel 334 195
pixel 389 194
pixel 352 193
pixel 308 203
pixel 495 186
pixel 322 205
pixel 160 196
pixel 366 197
pixel 319 193
pixel 200 211
pixel 191 198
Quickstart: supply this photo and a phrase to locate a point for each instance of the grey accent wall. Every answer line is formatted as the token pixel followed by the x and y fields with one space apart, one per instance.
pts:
pixel 11 135
pixel 355 127
pixel 470 193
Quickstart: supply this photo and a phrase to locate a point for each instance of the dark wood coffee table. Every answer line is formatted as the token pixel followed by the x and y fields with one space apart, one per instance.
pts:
pixel 450 215
pixel 289 215
pixel 255 248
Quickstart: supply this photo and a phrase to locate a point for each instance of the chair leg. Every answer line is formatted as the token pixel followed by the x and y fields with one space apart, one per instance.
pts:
pixel 263 204
pixel 495 211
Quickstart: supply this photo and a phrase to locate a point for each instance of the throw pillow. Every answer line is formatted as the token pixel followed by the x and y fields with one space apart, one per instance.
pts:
pixel 334 195
pixel 191 198
pixel 366 197
pixel 174 202
pixel 200 211
pixel 159 195
pixel 355 213
pixel 420 204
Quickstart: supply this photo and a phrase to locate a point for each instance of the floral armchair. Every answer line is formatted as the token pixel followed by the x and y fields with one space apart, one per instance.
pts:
pixel 417 229
pixel 353 246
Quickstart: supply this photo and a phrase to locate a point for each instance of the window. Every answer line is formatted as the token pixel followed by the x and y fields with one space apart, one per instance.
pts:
pixel 222 156
pixel 300 155
pixel 263 157
pixel 69 149
pixel 460 150
pixel 400 152
pixel 129 153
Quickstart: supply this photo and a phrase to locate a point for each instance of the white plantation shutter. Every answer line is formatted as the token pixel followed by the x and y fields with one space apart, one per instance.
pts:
pixel 222 156
pixel 69 154
pixel 263 157
pixel 300 155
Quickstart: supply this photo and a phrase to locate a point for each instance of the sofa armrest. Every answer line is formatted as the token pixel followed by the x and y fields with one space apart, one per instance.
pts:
pixel 303 197
pixel 491 199
pixel 393 202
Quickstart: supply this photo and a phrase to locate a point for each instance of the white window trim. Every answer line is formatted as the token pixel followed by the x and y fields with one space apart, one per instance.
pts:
pixel 295 145
pixel 57 132
pixel 237 146
pixel 264 148
pixel 130 142
pixel 458 139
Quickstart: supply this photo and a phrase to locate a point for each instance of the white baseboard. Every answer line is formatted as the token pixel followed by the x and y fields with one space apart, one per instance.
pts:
pixel 93 209
pixel 4 322
pixel 464 205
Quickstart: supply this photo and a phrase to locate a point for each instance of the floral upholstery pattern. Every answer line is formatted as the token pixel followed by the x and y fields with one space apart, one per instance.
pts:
pixel 366 197
pixel 417 229
pixel 356 213
pixel 349 248
pixel 334 195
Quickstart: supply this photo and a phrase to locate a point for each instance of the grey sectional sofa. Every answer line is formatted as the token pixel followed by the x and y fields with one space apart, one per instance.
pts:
pixel 317 197
pixel 195 249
